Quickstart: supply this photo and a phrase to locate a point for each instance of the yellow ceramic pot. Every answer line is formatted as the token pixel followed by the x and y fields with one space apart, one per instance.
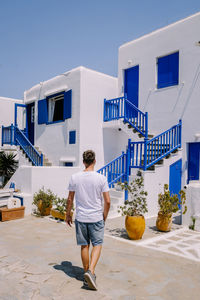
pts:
pixel 45 211
pixel 163 222
pixel 135 226
pixel 56 214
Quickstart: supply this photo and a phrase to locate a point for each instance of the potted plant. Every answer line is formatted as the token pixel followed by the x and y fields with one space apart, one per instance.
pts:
pixel 43 201
pixel 135 207
pixel 59 208
pixel 169 204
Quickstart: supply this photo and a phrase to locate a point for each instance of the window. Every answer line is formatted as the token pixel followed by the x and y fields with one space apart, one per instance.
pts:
pixel 55 108
pixel 69 164
pixel 168 70
pixel 72 137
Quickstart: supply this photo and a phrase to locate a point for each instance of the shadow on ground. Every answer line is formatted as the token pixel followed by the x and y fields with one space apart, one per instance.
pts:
pixel 119 232
pixel 70 270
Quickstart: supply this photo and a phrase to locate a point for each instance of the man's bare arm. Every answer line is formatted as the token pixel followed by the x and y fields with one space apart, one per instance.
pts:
pixel 69 206
pixel 106 197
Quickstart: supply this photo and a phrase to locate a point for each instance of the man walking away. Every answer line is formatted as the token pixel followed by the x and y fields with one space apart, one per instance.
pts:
pixel 92 210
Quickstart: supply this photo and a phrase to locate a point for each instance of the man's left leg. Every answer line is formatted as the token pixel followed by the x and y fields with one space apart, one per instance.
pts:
pixel 95 254
pixel 85 257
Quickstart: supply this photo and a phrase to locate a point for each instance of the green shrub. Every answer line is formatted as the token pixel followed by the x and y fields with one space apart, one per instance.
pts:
pixel 169 204
pixel 136 204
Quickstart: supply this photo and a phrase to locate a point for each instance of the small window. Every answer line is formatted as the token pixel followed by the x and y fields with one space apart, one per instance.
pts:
pixel 55 108
pixel 69 164
pixel 168 70
pixel 72 137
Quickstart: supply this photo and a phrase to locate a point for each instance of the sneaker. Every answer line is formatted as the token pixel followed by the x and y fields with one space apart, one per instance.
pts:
pixel 85 284
pixel 91 280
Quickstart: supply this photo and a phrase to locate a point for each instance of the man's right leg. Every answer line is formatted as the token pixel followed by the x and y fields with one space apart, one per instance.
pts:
pixel 85 257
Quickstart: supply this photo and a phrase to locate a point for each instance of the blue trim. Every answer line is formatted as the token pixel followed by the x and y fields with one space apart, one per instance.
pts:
pixel 68 164
pixel 72 137
pixel 42 111
pixel 15 116
pixel 67 111
pixel 168 70
pixel 60 121
pixel 20 198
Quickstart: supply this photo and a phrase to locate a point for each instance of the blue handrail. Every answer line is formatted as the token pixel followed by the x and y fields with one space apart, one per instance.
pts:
pixel 29 149
pixel 122 108
pixel 146 153
pixel 115 170
pixel 14 136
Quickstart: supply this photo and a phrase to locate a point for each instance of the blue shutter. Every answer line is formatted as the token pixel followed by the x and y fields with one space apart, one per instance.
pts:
pixel 67 105
pixel 72 137
pixel 168 70
pixel 42 112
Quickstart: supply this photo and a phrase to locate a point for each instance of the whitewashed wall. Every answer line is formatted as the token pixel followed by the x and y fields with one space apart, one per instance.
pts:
pixel 30 179
pixel 166 106
pixel 95 87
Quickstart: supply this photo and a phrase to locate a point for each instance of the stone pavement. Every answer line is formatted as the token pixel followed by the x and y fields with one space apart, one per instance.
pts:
pixel 39 260
pixel 180 241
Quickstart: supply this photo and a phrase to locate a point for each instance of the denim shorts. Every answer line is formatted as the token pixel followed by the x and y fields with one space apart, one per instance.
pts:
pixel 86 232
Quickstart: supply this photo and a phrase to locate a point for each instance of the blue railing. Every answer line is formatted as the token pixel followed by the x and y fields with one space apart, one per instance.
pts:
pixel 147 153
pixel 14 136
pixel 115 171
pixel 121 108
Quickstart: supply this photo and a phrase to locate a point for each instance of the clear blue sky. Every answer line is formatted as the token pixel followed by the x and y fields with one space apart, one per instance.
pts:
pixel 43 38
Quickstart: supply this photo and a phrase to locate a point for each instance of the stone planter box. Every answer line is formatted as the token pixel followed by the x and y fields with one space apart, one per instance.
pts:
pixel 7 214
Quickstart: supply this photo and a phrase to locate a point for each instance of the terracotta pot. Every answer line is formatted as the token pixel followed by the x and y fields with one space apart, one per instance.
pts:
pixel 45 211
pixel 164 222
pixel 135 226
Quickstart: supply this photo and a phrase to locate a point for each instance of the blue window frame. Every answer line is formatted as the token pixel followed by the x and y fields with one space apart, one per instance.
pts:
pixel 168 70
pixel 55 108
pixel 72 137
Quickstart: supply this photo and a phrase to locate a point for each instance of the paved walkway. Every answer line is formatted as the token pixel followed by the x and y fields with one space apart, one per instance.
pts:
pixel 180 241
pixel 39 260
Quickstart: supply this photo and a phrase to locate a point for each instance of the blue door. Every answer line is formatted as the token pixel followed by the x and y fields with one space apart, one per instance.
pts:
pixel 193 161
pixel 31 121
pixel 131 85
pixel 175 174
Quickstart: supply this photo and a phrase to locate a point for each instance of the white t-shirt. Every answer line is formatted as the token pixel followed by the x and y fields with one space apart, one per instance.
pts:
pixel 88 187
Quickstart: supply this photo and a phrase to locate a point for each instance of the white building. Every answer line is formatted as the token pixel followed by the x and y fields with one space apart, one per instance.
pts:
pixel 158 74
pixel 64 117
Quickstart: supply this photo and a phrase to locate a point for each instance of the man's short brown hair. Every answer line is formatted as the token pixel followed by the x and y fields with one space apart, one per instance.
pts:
pixel 88 157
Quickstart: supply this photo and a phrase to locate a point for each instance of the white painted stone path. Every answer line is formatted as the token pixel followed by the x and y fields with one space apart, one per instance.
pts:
pixel 182 242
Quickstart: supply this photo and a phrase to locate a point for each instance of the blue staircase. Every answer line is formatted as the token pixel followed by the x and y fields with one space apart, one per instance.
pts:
pixel 121 108
pixel 12 135
pixel 141 154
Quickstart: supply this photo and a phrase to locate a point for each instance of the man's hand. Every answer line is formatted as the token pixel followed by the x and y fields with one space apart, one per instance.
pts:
pixel 69 220
pixel 70 200
pixel 106 197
